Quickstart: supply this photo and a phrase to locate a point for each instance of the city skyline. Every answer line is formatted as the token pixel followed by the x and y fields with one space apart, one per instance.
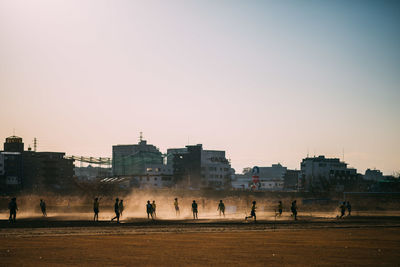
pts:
pixel 265 81
pixel 238 171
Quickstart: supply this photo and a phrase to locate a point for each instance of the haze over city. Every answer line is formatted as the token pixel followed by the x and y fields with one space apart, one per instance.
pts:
pixel 266 81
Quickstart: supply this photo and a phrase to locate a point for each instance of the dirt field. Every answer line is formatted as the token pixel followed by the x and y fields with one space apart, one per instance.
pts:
pixel 366 241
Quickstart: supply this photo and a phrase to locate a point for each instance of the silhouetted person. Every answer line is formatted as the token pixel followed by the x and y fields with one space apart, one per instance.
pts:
pixel 194 209
pixel 116 210
pixel 342 208
pixel 121 207
pixel 280 208
pixel 12 206
pixel 293 208
pixel 43 207
pixel 176 205
pixel 149 210
pixel 348 205
pixel 221 208
pixel 252 212
pixel 96 209
pixel 153 205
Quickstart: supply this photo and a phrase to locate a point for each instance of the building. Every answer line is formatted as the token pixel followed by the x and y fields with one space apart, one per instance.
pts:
pixel 291 180
pixel 242 182
pixel 31 170
pixel 11 172
pixel 276 171
pixel 2 171
pixel 194 167
pixel 155 176
pixel 326 174
pixel 261 178
pixel 131 160
pixel 373 175
pixel 48 170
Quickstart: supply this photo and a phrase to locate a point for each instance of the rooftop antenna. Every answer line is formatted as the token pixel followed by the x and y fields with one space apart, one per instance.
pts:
pixel 34 144
pixel 141 137
pixel 343 154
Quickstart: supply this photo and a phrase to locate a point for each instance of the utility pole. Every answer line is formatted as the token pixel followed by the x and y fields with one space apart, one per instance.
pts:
pixel 34 144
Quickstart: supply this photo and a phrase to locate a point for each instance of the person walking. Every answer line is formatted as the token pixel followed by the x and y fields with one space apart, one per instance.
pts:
pixel 280 208
pixel 121 207
pixel 194 210
pixel 221 208
pixel 43 207
pixel 96 209
pixel 116 210
pixel 12 206
pixel 293 208
pixel 153 205
pixel 176 205
pixel 149 210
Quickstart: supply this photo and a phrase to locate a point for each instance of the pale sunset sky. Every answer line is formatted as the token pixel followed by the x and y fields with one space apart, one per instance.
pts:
pixel 266 81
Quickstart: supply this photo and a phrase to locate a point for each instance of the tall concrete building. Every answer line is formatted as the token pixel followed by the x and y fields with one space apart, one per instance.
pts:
pixel 130 160
pixel 324 174
pixel 31 170
pixel 194 167
pixel 373 175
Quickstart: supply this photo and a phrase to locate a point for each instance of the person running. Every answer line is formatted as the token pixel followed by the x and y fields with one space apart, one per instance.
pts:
pixel 253 212
pixel 293 208
pixel 342 208
pixel 221 208
pixel 121 207
pixel 280 208
pixel 43 207
pixel 177 212
pixel 116 210
pixel 149 210
pixel 348 205
pixel 12 206
pixel 153 205
pixel 96 209
pixel 194 210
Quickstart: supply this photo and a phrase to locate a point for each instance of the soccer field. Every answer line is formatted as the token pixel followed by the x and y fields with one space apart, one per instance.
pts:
pixel 355 241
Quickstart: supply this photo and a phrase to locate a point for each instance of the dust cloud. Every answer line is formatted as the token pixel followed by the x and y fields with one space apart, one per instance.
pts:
pixel 64 207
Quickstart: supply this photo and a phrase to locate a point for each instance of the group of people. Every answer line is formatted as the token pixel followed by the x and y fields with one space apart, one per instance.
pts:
pixel 151 209
pixel 293 209
pixel 343 206
pixel 13 208
pixel 118 209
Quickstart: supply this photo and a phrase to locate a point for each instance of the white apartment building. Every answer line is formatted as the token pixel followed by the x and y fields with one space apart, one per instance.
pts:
pixel 215 168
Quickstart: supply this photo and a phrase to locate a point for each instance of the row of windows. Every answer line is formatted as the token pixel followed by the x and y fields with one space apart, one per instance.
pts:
pixel 213 176
pixel 156 170
pixel 155 178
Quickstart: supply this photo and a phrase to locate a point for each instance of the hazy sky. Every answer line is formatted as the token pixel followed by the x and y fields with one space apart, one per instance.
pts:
pixel 266 81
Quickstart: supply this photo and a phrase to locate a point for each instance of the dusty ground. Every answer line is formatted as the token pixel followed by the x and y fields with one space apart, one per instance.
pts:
pixel 372 241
